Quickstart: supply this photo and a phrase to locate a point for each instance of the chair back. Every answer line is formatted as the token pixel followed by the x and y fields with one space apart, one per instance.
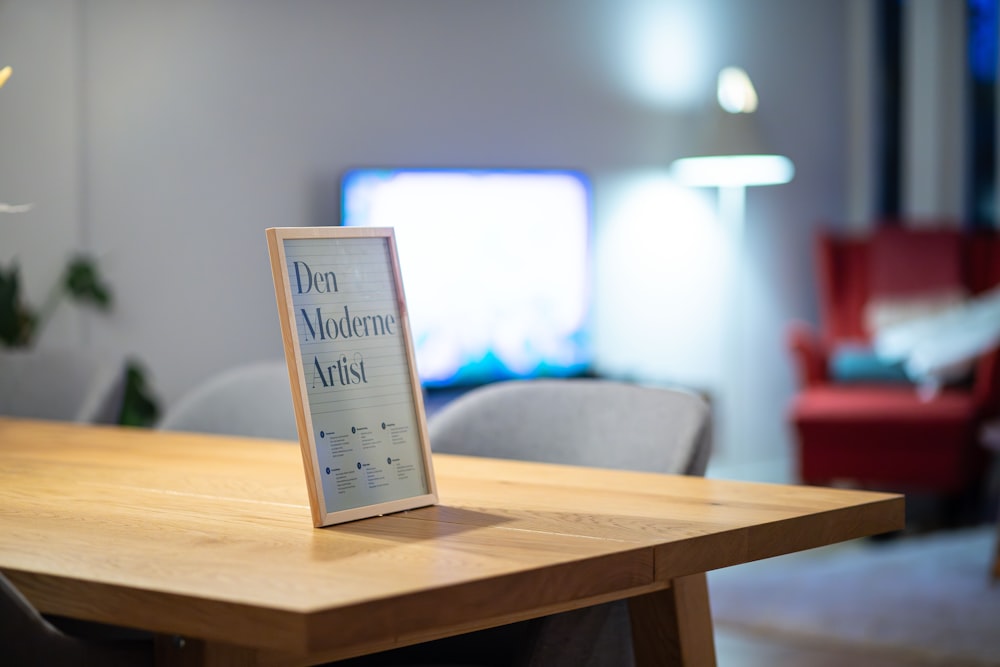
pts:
pixel 64 384
pixel 588 422
pixel 28 639
pixel 591 422
pixel 853 270
pixel 253 400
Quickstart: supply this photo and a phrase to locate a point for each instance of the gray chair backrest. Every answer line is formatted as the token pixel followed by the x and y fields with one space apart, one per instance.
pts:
pixel 64 384
pixel 253 400
pixel 28 639
pixel 591 422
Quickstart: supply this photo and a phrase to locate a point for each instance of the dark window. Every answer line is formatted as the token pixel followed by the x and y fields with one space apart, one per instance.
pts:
pixel 890 78
pixel 982 73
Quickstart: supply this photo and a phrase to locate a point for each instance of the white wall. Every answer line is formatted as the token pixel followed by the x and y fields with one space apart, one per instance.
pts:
pixel 40 149
pixel 165 136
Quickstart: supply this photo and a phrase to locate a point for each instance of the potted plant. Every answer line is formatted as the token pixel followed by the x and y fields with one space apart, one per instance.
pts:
pixel 81 282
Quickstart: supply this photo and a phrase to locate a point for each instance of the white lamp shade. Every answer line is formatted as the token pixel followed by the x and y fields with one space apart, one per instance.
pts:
pixel 733 170
pixel 731 153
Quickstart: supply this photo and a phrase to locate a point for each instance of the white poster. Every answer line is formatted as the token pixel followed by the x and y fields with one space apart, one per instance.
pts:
pixel 354 362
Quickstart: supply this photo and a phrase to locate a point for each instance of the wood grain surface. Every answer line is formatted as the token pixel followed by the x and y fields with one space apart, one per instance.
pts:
pixel 211 537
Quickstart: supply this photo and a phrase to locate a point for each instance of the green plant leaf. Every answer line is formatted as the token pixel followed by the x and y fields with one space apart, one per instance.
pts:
pixel 85 284
pixel 17 321
pixel 139 407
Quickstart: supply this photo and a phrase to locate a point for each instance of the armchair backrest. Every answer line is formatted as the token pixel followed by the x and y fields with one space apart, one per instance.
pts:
pixel 842 266
pixel 853 268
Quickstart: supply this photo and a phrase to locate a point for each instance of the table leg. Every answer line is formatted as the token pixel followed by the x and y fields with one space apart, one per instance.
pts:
pixel 674 626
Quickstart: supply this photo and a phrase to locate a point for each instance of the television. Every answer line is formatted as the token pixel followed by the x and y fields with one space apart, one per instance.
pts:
pixel 495 266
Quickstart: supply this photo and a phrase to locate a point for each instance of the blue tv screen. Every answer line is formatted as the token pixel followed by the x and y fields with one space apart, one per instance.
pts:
pixel 494 263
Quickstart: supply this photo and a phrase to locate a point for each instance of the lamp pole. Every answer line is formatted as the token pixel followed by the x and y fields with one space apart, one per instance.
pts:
pixel 732 210
pixel 732 213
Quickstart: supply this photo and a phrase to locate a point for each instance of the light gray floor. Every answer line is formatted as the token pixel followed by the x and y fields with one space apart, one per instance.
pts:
pixel 737 649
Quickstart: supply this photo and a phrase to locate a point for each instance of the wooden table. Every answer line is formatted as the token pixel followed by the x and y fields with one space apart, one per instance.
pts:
pixel 210 538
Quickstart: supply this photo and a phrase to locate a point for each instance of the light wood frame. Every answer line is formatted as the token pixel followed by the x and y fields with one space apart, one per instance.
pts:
pixel 367 414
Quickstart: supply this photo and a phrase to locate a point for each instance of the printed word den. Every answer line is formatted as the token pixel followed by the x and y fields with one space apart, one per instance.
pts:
pixel 321 281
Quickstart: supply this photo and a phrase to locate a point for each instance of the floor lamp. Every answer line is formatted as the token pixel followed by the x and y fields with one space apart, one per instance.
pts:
pixel 732 158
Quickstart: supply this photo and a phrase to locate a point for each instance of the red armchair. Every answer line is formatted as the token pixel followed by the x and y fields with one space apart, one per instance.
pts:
pixel 879 432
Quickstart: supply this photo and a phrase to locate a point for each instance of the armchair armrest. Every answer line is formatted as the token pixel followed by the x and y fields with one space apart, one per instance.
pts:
pixel 809 354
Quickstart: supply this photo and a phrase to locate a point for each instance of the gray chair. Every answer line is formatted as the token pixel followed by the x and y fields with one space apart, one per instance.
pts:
pixel 590 422
pixel 598 423
pixel 62 383
pixel 27 639
pixel 253 400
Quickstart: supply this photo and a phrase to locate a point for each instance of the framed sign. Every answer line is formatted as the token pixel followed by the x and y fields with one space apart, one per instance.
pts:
pixel 358 404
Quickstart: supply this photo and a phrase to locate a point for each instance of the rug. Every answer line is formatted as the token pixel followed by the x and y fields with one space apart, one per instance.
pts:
pixel 929 596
